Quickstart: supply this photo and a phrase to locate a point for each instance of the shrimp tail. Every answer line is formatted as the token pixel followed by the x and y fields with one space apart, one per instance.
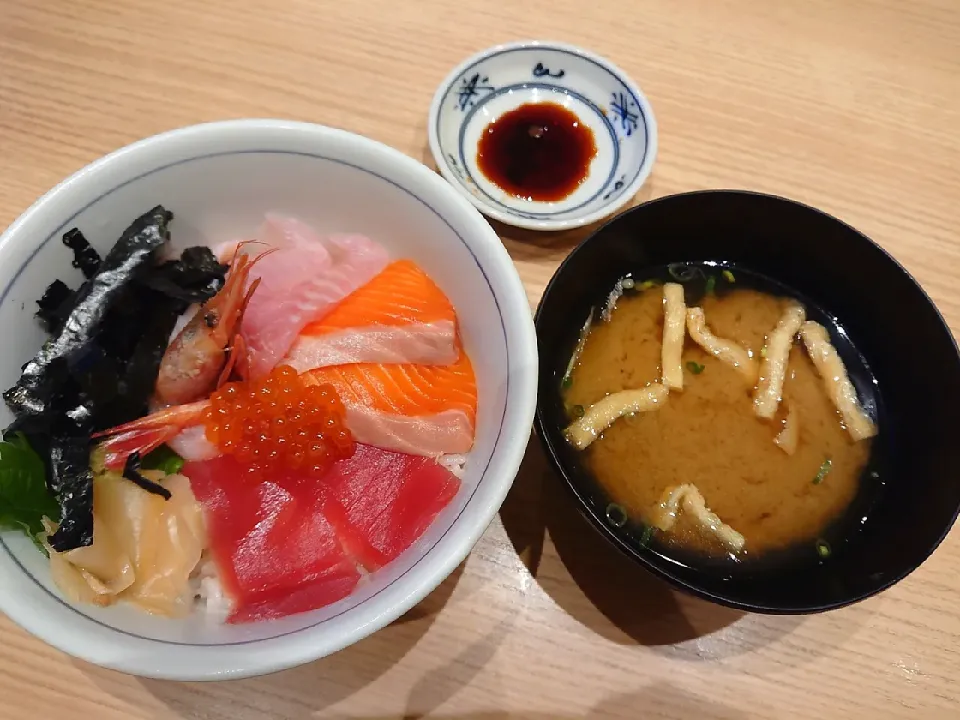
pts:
pixel 148 433
pixel 118 448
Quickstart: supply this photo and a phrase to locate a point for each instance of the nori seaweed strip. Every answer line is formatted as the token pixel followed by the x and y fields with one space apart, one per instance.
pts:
pixel 52 307
pixel 57 300
pixel 195 277
pixel 162 295
pixel 131 471
pixel 71 480
pixel 85 258
pixel 138 379
pixel 37 387
pixel 100 367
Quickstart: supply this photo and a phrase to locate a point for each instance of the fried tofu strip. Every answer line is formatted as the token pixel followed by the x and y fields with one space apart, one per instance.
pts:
pixel 691 500
pixel 674 331
pixel 774 369
pixel 788 437
pixel 602 414
pixel 836 381
pixel 726 351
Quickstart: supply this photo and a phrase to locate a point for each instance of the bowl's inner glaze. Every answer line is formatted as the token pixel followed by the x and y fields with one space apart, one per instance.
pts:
pixel 908 350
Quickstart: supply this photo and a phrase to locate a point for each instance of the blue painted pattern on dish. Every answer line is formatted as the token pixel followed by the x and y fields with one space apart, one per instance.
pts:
pixel 540 71
pixel 617 187
pixel 454 165
pixel 59 231
pixel 626 110
pixel 471 89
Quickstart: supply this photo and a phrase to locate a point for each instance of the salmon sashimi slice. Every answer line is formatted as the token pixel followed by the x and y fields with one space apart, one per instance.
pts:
pixel 300 282
pixel 381 502
pixel 400 316
pixel 418 409
pixel 275 551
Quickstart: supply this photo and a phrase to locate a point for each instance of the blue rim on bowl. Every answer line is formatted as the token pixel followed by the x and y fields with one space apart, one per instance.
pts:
pixel 504 77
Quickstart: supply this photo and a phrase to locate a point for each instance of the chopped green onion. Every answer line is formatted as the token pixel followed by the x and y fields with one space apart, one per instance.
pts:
pixel 647 284
pixel 627 283
pixel 695 368
pixel 616 515
pixel 163 458
pixel 567 382
pixel 711 284
pixel 823 549
pixel 822 472
pixel 578 411
pixel 648 532
pixel 728 276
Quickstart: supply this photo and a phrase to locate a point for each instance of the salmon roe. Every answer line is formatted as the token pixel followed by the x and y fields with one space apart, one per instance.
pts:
pixel 281 423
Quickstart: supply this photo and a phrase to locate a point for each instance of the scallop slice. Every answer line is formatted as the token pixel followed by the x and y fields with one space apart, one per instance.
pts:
pixel 689 498
pixel 674 314
pixel 774 369
pixel 602 414
pixel 836 381
pixel 726 351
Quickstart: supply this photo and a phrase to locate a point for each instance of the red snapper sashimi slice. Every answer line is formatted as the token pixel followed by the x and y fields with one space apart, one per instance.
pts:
pixel 279 231
pixel 275 551
pixel 275 232
pixel 400 316
pixel 300 284
pixel 381 502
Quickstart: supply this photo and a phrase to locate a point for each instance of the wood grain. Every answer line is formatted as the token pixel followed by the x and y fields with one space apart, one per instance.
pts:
pixel 851 106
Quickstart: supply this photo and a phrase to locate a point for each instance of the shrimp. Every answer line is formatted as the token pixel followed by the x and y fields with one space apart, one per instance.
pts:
pixel 204 353
pixel 148 433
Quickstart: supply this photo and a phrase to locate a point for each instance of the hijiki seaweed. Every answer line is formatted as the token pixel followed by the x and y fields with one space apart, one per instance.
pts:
pixel 99 367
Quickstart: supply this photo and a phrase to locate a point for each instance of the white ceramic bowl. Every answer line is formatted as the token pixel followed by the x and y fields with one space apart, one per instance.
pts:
pixel 503 78
pixel 219 179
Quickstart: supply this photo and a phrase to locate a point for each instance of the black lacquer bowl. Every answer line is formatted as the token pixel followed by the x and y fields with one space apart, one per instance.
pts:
pixel 888 318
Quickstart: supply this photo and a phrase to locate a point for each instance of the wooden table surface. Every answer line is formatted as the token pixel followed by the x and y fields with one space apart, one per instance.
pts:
pixel 850 105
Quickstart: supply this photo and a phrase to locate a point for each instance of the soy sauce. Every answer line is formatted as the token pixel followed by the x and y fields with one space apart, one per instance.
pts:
pixel 539 151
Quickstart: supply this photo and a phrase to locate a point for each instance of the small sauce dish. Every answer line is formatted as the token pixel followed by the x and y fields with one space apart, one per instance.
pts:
pixel 542 135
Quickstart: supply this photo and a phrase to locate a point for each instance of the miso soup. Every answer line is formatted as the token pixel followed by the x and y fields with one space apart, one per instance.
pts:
pixel 708 434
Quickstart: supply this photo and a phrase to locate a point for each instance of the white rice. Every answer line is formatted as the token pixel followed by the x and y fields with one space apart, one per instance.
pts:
pixel 456 463
pixel 211 599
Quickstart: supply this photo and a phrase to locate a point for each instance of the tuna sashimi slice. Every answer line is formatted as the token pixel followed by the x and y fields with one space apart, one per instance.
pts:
pixel 400 316
pixel 301 281
pixel 420 409
pixel 381 502
pixel 275 551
